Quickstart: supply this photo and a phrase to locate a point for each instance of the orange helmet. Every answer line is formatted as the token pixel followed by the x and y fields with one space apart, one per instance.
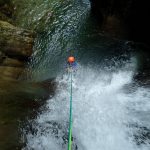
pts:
pixel 71 59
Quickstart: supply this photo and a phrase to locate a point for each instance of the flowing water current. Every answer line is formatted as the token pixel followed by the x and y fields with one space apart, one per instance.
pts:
pixel 110 110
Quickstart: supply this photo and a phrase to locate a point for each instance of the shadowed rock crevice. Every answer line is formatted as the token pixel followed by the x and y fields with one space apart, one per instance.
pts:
pixel 6 10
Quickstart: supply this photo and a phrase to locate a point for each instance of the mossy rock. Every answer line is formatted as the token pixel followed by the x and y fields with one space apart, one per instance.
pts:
pixel 12 62
pixel 11 73
pixel 14 41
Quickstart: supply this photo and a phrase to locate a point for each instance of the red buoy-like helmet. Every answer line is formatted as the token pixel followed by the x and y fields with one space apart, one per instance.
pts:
pixel 71 59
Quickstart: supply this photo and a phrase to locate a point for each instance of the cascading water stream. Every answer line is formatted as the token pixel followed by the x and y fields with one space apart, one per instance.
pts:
pixel 103 112
pixel 110 112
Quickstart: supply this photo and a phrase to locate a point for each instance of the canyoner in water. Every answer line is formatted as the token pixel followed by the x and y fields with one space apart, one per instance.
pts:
pixel 71 64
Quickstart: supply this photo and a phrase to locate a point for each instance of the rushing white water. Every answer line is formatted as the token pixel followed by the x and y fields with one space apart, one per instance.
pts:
pixel 103 112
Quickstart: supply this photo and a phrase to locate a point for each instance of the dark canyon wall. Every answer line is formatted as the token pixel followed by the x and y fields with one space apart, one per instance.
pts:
pixel 133 13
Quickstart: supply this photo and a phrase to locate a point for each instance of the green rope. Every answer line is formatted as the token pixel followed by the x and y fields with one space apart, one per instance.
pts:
pixel 70 117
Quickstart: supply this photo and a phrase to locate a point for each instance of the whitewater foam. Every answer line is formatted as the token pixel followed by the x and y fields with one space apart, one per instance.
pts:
pixel 102 113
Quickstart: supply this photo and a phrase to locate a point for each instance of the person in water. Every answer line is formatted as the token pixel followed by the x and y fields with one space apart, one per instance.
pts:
pixel 71 64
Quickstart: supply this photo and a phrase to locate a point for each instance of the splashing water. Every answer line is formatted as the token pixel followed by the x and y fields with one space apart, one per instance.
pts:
pixel 102 113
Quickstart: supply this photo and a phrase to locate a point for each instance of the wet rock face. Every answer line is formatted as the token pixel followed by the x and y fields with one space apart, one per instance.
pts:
pixel 15 49
pixel 20 100
pixel 14 41
pixel 133 13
